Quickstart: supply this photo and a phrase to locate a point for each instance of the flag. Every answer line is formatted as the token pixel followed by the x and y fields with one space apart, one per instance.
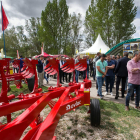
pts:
pixel 5 21
pixel 43 46
pixel 42 51
pixel 17 55
pixel 2 53
pixel 100 50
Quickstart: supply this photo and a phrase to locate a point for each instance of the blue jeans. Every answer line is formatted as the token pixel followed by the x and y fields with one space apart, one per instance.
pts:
pixel 126 83
pixel 77 76
pixel 94 73
pixel 109 81
pixel 45 76
pixel 131 88
pixel 100 81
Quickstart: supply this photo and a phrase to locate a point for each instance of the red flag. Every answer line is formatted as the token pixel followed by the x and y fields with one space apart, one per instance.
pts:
pixel 5 20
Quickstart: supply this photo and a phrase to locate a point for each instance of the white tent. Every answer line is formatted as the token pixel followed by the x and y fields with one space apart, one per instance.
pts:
pixel 98 46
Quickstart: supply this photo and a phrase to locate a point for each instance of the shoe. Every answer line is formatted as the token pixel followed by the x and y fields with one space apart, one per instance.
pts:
pixel 111 94
pixel 126 108
pixel 101 97
pixel 122 96
pixel 61 83
pixel 97 94
pixel 116 97
pixel 125 92
pixel 105 93
pixel 137 107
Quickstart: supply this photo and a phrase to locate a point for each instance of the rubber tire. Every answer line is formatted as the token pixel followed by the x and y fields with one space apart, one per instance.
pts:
pixel 95 115
pixel 31 82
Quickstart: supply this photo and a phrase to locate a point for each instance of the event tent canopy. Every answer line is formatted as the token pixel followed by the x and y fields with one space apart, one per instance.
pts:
pixel 98 46
pixel 44 55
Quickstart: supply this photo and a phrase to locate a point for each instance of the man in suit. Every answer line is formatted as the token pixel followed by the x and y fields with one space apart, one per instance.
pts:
pixel 121 73
pixel 64 74
pixel 40 70
pixel 115 62
pixel 60 71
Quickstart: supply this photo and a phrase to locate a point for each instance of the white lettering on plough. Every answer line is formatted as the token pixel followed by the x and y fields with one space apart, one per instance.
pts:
pixel 68 107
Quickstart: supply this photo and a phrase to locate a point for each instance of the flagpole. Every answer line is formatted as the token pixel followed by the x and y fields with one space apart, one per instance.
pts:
pixel 3 30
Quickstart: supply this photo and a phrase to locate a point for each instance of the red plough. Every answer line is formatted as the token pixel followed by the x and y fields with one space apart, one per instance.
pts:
pixel 44 130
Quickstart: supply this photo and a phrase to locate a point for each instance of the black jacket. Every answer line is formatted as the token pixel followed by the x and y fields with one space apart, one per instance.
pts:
pixel 40 66
pixel 121 68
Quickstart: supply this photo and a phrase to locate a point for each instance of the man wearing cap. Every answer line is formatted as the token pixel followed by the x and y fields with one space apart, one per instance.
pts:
pixel 101 70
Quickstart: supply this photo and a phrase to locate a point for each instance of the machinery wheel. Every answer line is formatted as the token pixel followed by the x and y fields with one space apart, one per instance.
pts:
pixel 95 115
pixel 31 82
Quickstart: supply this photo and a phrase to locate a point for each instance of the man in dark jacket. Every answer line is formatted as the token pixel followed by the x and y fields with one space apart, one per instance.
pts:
pixel 121 73
pixel 40 70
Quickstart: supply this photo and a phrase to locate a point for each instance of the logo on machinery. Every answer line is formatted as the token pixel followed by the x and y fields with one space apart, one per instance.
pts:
pixel 68 107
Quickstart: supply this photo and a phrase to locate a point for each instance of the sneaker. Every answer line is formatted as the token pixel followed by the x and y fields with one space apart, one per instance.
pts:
pixel 111 94
pixel 101 97
pixel 126 108
pixel 106 93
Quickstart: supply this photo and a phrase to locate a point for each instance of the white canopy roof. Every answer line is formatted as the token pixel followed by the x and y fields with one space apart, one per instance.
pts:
pixel 99 44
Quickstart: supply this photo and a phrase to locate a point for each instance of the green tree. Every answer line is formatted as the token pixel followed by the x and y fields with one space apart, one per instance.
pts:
pixel 11 42
pixel 123 16
pixel 75 24
pixel 90 24
pixel 112 19
pixel 33 45
pixel 99 20
pixel 53 27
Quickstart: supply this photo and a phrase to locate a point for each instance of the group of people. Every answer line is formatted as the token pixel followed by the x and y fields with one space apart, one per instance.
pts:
pixel 105 69
pixel 126 70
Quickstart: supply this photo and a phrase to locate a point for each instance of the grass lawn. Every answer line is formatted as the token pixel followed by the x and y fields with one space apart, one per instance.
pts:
pixel 120 122
pixel 116 123
pixel 23 90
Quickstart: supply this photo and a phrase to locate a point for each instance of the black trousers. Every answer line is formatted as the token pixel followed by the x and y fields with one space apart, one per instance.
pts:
pixel 118 83
pixel 68 78
pixel 60 75
pixel 64 75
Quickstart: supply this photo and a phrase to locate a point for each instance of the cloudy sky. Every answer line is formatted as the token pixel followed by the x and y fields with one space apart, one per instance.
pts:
pixel 19 10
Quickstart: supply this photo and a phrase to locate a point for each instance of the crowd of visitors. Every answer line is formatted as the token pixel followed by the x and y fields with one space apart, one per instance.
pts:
pixel 126 70
pixel 105 70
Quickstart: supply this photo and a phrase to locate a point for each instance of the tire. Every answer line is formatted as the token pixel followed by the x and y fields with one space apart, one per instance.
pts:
pixel 31 82
pixel 95 115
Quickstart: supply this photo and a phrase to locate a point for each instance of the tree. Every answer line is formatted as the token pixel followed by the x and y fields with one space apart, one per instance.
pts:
pixel 33 45
pixel 112 19
pixel 76 23
pixel 124 14
pixel 54 26
pixel 11 42
pixel 90 24
pixel 99 21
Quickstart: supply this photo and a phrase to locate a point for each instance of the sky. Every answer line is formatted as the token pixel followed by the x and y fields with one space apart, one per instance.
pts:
pixel 19 10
